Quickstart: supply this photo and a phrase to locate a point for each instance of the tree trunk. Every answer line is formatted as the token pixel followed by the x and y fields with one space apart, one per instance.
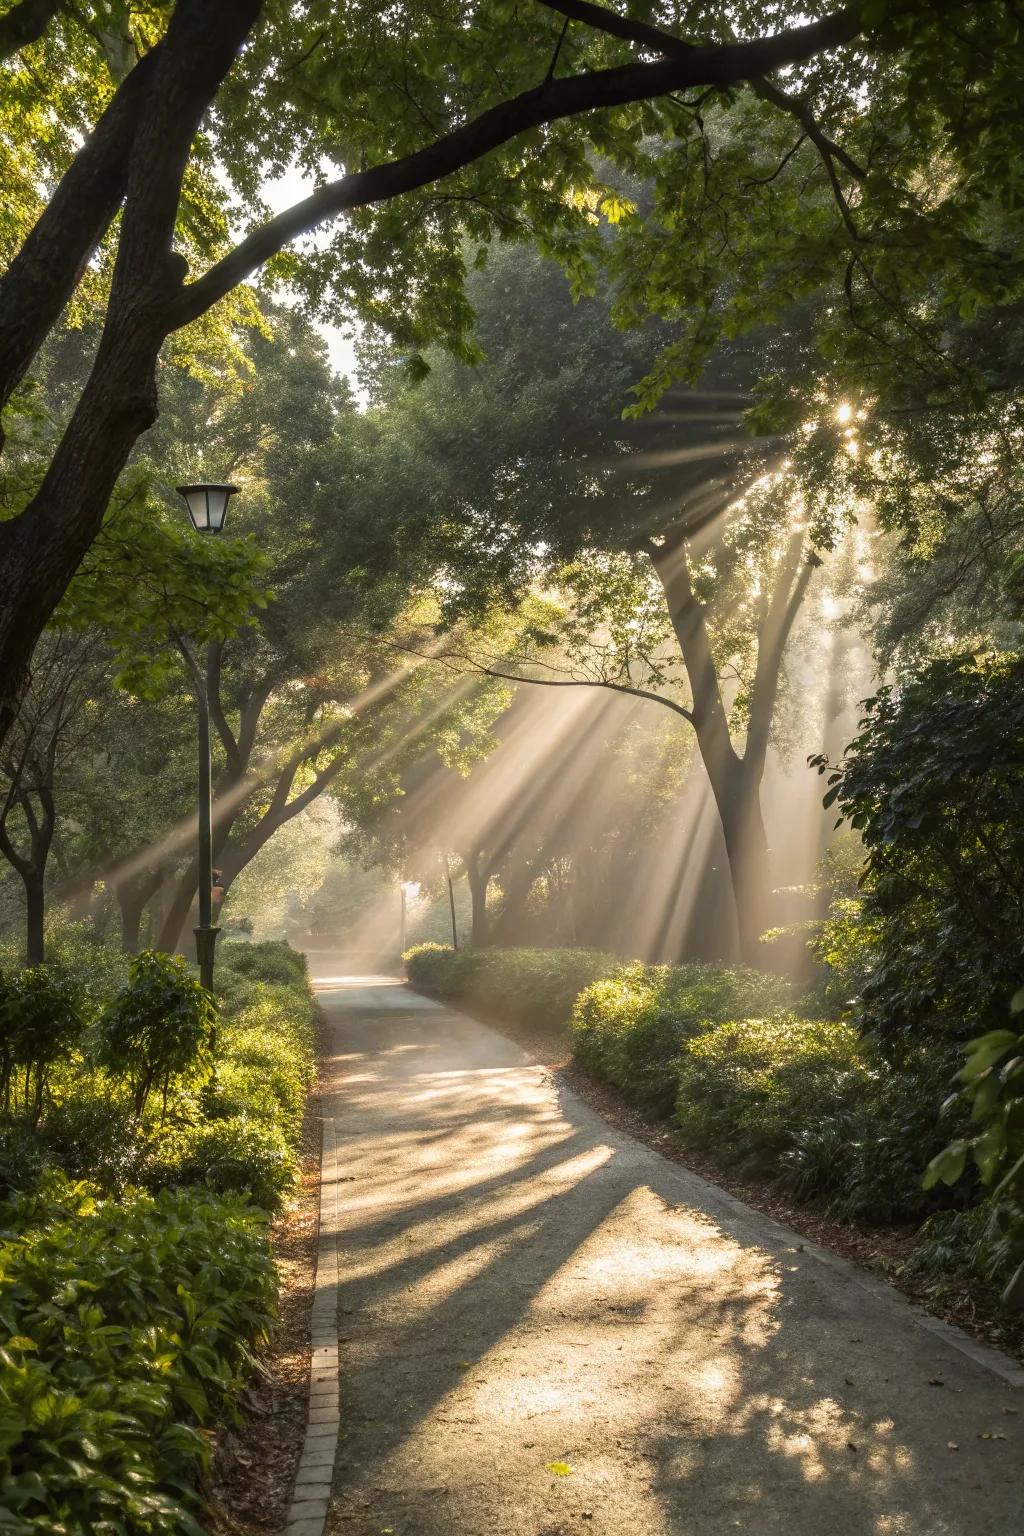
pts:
pixel 479 879
pixel 35 910
pixel 746 846
pixel 508 928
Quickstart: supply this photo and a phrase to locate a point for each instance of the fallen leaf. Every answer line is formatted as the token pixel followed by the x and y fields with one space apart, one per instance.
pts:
pixel 952 1445
pixel 988 1435
pixel 560 1468
pixel 936 1381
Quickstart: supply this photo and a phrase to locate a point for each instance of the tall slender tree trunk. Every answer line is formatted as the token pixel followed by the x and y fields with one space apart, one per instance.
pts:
pixel 479 877
pixel 35 915
pixel 746 846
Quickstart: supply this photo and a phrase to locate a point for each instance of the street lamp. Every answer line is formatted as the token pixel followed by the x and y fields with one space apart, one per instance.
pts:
pixel 207 507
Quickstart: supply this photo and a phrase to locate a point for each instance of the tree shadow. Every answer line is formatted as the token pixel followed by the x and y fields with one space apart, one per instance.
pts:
pixel 524 1286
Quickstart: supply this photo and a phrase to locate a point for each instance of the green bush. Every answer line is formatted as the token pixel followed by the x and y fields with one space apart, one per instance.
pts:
pixel 993 1089
pixel 434 968
pixel 74 954
pixel 630 1028
pixel 866 1159
pixel 934 784
pixel 264 1076
pixel 91 1133
pixel 235 1154
pixel 127 1322
pixel 747 1086
pixel 272 961
pixel 158 1028
pixel 529 986
pixel 127 1329
pixel 40 1022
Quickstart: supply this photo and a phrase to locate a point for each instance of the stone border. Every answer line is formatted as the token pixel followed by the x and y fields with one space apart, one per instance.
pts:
pixel 307 1513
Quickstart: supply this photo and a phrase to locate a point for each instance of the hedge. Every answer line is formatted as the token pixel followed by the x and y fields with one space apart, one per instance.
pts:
pixel 518 985
pixel 131 1302
pixel 631 1028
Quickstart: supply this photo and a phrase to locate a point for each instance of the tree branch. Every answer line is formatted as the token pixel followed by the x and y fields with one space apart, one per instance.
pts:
pixel 772 641
pixel 214 652
pixel 675 47
pixel 46 270
pixel 562 682
pixel 26 24
pixel 721 64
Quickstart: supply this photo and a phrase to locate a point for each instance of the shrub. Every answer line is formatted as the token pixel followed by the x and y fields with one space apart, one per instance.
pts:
pixel 536 986
pixel 866 1158
pixel 264 1076
pixel 40 1022
pixel 631 1027
pixel 747 1086
pixel 993 1086
pixel 273 961
pixel 235 1154
pixel 91 1133
pixel 433 968
pixel 934 783
pixel 75 955
pixel 127 1328
pixel 21 1157
pixel 159 1027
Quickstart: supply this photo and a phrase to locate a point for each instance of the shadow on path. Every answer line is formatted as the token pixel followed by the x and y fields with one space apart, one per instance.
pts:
pixel 522 1285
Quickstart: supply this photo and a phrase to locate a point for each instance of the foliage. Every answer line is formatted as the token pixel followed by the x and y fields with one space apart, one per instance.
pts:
pixel 630 1028
pixel 521 985
pixel 159 1028
pixel 128 1321
pixel 864 1158
pixel 272 962
pixel 993 1085
pixel 746 1085
pixel 239 1154
pixel 436 968
pixel 934 783
pixel 40 1022
pixel 127 1329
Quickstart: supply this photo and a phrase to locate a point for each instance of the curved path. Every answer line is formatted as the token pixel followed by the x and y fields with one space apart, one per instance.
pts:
pixel 523 1288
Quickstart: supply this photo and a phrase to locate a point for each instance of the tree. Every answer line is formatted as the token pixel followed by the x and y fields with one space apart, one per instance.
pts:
pixel 933 784
pixel 475 122
pixel 678 548
pixel 53 725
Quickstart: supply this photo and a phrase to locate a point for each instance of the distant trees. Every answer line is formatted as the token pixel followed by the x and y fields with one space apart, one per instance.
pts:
pixel 676 551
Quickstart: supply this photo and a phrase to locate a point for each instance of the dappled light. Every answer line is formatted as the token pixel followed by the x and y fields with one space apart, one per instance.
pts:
pixel 597 1308
pixel 511 768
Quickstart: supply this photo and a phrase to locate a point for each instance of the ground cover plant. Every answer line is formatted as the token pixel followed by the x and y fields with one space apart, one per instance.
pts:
pixel 139 1166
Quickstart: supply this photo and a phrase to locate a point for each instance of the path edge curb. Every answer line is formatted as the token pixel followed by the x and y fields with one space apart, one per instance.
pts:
pixel 311 1495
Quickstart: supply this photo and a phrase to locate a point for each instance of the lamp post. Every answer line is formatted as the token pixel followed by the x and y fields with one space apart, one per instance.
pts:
pixel 207 507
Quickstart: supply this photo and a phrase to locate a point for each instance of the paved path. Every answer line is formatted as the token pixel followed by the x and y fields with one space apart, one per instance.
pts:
pixel 521 1285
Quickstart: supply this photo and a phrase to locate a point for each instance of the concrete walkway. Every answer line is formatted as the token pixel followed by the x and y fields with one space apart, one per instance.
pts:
pixel 546 1328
